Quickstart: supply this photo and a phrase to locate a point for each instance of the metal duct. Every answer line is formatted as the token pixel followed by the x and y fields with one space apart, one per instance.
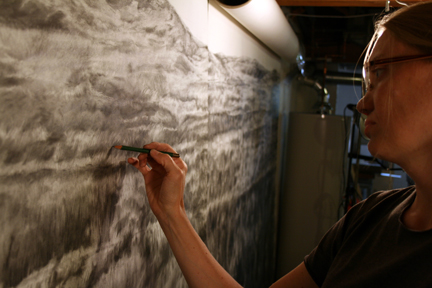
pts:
pixel 322 106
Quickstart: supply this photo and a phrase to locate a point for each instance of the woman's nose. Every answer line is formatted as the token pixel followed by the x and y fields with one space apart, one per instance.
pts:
pixel 365 105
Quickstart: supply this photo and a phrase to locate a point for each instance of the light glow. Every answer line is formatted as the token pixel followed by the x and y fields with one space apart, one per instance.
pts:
pixel 266 21
pixel 391 175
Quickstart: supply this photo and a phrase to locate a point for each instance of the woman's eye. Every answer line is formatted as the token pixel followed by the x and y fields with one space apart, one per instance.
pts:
pixel 378 72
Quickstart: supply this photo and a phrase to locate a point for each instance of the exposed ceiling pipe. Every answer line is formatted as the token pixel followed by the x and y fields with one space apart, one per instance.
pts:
pixel 344 77
pixel 322 106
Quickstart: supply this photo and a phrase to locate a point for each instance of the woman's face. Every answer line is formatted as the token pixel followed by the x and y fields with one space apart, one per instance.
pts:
pixel 398 104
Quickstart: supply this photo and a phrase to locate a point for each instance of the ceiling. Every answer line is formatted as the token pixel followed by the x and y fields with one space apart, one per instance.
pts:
pixel 337 30
pixel 343 3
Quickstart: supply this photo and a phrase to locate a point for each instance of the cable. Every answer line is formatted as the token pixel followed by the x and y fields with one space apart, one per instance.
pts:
pixel 344 182
pixel 348 187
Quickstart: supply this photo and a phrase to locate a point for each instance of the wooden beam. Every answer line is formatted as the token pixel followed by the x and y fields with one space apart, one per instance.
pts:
pixel 343 3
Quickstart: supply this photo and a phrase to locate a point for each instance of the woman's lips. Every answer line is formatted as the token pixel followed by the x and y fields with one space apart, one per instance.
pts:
pixel 368 124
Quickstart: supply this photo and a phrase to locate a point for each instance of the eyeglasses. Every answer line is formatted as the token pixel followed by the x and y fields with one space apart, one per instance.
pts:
pixel 372 66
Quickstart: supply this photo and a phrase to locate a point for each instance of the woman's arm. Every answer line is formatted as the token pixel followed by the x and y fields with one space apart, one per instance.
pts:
pixel 298 277
pixel 198 265
pixel 165 182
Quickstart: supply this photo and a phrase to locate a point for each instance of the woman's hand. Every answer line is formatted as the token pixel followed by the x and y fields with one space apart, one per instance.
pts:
pixel 165 180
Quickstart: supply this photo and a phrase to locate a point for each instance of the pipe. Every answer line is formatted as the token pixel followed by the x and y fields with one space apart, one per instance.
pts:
pixel 344 77
pixel 323 104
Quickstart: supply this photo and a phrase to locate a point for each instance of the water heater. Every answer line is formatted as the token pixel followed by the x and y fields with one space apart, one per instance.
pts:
pixel 313 184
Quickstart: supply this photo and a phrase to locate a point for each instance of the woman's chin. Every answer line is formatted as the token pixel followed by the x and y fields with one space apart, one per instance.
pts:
pixel 379 152
pixel 374 150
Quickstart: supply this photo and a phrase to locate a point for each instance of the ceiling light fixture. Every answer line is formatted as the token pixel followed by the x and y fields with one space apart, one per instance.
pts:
pixel 265 20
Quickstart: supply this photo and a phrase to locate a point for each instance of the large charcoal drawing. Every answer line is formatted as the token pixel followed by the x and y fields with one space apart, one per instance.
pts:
pixel 77 77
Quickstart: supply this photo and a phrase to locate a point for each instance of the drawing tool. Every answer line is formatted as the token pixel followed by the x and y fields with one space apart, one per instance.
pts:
pixel 143 150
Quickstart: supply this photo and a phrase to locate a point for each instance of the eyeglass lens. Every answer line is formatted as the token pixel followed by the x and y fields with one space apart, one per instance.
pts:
pixel 365 81
pixel 366 69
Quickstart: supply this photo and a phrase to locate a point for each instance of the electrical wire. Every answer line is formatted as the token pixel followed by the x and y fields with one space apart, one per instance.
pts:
pixel 344 175
pixel 344 182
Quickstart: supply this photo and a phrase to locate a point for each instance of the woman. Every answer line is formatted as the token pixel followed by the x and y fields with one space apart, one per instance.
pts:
pixel 384 241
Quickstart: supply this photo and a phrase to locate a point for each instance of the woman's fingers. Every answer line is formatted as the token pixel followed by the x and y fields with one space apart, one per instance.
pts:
pixel 134 162
pixel 160 147
pixel 164 160
pixel 167 148
pixel 142 159
pixel 160 162
pixel 141 165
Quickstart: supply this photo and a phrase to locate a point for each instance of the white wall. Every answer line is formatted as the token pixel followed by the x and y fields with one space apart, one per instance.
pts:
pixel 223 34
pixel 194 15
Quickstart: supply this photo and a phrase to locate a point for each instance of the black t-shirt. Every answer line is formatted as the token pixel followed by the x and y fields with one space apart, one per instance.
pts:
pixel 371 247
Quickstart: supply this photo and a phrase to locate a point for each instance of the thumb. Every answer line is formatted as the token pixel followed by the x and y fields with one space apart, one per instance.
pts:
pixel 164 160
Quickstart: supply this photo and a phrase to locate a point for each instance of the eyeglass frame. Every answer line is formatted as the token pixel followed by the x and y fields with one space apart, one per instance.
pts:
pixel 388 61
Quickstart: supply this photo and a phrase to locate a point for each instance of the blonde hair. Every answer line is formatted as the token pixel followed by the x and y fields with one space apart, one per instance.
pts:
pixel 411 25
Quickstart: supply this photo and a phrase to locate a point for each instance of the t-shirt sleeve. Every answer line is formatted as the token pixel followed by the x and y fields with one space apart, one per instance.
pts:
pixel 318 262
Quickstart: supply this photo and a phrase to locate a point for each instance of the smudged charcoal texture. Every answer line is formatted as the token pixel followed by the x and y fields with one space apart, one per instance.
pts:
pixel 77 77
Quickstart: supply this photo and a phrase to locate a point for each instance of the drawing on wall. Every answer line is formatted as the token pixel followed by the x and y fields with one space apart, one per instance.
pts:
pixel 80 76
